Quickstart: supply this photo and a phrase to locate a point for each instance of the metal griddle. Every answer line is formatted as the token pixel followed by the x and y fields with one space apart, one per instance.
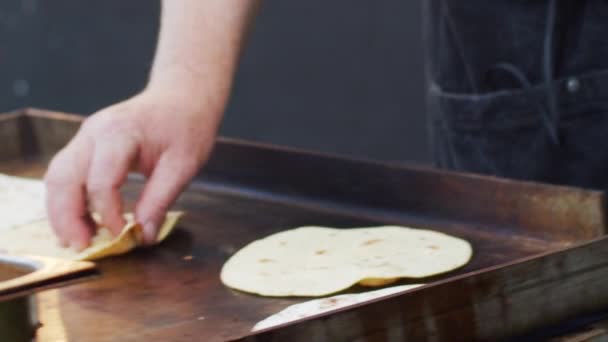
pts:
pixel 540 251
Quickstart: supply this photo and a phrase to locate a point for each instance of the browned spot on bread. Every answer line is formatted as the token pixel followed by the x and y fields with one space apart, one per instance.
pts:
pixel 265 260
pixel 320 252
pixel 371 242
pixel 433 247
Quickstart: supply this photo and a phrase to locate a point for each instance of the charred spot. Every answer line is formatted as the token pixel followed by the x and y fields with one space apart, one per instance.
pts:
pixel 371 242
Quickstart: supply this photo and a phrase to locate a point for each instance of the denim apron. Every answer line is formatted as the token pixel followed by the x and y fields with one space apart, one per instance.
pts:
pixel 519 88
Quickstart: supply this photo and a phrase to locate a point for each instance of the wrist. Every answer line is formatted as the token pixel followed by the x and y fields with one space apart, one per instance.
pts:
pixel 187 85
pixel 189 79
pixel 189 103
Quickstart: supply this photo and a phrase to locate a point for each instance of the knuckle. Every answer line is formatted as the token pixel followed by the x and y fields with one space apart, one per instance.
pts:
pixel 54 178
pixel 56 161
pixel 100 186
pixel 109 122
pixel 59 171
pixel 96 122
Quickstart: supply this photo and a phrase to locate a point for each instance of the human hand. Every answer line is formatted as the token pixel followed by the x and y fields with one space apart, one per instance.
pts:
pixel 162 134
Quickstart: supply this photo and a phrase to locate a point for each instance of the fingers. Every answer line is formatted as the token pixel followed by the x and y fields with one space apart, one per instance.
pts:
pixel 170 175
pixel 65 195
pixel 110 164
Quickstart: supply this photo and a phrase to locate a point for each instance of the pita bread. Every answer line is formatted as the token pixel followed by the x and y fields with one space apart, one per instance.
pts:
pixel 317 261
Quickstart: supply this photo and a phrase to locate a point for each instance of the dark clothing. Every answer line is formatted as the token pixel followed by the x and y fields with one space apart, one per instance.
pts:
pixel 519 88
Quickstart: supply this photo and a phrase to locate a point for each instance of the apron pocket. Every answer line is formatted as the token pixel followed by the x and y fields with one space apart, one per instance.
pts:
pixel 503 134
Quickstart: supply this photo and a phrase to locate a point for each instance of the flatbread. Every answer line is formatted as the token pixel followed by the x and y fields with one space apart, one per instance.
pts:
pixel 319 306
pixel 22 201
pixel 38 238
pixel 317 261
pixel 24 228
pixel 131 237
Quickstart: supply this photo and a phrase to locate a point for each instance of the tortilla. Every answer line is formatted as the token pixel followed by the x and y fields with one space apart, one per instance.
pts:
pixel 22 201
pixel 319 306
pixel 38 238
pixel 317 261
pixel 24 228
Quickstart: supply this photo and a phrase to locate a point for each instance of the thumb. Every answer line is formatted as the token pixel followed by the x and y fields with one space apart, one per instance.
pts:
pixel 169 176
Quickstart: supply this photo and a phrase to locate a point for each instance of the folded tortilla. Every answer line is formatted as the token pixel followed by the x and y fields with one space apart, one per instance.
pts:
pixel 24 228
pixel 38 238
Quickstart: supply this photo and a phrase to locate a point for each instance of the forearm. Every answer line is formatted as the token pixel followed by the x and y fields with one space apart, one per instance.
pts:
pixel 199 45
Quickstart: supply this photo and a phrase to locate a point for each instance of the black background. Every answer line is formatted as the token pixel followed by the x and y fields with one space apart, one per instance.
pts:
pixel 343 76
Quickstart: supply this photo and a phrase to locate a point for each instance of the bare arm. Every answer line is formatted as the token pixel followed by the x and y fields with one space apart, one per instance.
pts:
pixel 200 42
pixel 166 131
